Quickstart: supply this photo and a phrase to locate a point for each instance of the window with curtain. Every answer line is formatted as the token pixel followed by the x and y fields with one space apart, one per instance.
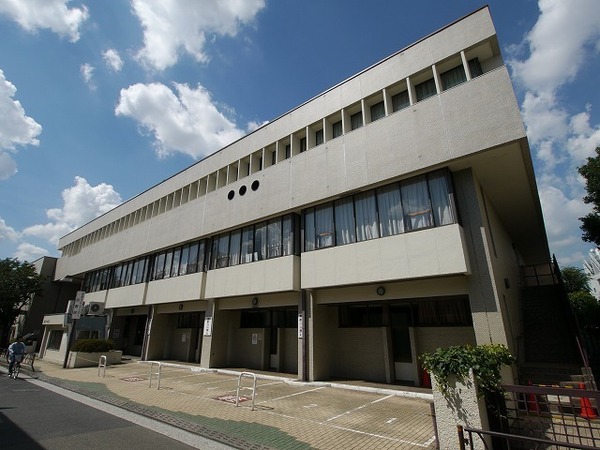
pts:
pixel 235 242
pixel 183 262
pixel 192 264
pixel 389 204
pixel 302 144
pixel 439 190
pixel 400 101
pixel 365 206
pixel 260 241
pixel 356 121
pixel 274 238
pixel 247 245
pixel 425 89
pixel 288 236
pixel 319 137
pixel 168 263
pixel 475 67
pixel 159 266
pixel 309 230
pixel 220 251
pixel 416 204
pixel 337 129
pixel 345 229
pixel 175 262
pixel 116 281
pixel 377 111
pixel 453 77
pixel 324 231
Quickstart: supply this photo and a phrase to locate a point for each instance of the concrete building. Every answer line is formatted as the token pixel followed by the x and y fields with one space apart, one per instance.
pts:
pixel 386 217
pixel 591 267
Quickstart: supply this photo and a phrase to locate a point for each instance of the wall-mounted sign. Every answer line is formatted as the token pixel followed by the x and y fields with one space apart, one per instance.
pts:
pixel 208 326
pixel 300 328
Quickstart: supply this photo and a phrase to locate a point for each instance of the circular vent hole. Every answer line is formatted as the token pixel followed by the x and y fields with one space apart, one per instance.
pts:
pixel 255 185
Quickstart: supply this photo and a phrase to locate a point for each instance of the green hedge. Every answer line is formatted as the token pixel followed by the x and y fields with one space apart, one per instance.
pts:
pixel 93 345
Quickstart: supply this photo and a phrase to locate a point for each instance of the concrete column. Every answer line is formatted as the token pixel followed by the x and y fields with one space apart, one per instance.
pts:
pixel 208 335
pixel 465 64
pixel 488 322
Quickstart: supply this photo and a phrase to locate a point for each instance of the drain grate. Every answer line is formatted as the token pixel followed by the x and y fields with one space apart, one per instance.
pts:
pixel 133 379
pixel 231 398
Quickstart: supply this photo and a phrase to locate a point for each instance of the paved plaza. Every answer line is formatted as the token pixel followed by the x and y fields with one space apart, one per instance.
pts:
pixel 287 414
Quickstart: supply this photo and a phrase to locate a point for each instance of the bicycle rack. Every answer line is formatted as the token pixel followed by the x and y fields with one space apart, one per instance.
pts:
pixel 102 365
pixel 157 373
pixel 239 386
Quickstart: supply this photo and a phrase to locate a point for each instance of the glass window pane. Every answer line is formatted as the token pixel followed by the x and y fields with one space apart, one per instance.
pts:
pixel 415 200
pixel 377 111
pixel 168 261
pixel 202 255
pixel 234 247
pixel 274 237
pixel 175 263
pixel 356 121
pixel 425 89
pixel 117 276
pixel 288 236
pixel 345 229
pixel 400 101
pixel 389 205
pixel 309 230
pixel 324 226
pixel 337 129
pixel 222 251
pixel 440 198
pixel 319 137
pixel 247 244
pixel 183 262
pixel 453 77
pixel 260 242
pixel 159 267
pixel 475 67
pixel 365 206
pixel 192 262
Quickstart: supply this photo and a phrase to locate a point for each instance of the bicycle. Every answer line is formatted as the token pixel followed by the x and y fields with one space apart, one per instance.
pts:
pixel 16 370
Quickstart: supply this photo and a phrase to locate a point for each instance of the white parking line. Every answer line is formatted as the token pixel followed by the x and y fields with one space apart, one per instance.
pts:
pixel 292 395
pixel 359 407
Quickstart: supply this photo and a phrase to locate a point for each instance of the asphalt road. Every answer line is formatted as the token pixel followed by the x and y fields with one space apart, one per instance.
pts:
pixel 35 415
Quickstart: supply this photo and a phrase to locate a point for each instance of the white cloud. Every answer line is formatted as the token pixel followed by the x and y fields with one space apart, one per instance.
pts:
pixel 172 27
pixel 29 252
pixel 185 121
pixel 564 38
pixel 87 72
pixel 81 203
pixel 113 60
pixel 33 15
pixel 16 128
pixel 7 232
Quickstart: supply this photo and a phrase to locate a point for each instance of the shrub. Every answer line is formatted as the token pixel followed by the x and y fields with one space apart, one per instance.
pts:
pixel 93 345
pixel 485 360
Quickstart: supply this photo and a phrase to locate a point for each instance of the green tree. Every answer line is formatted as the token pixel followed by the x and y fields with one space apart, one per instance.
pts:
pixel 574 279
pixel 18 282
pixel 590 224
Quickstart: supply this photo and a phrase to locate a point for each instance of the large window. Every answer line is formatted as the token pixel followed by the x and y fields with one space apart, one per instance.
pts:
pixel 425 89
pixel 400 101
pixel 356 120
pixel 54 340
pixel 377 111
pixel 337 129
pixel 263 240
pixel 420 202
pixel 453 77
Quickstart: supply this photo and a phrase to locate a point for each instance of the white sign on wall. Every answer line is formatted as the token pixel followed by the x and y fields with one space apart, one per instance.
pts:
pixel 208 326
pixel 300 328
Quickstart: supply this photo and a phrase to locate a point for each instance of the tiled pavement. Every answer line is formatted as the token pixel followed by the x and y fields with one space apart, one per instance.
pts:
pixel 287 414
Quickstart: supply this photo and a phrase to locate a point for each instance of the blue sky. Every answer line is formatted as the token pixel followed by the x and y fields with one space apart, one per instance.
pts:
pixel 101 100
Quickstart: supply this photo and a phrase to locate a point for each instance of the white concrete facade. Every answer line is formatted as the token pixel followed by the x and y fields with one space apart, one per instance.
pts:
pixel 366 297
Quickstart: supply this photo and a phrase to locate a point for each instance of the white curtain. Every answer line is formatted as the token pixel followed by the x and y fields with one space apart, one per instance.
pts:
pixel 234 248
pixel 440 198
pixel 345 230
pixel 309 230
pixel 274 236
pixel 288 236
pixel 366 216
pixel 247 244
pixel 260 242
pixel 417 207
pixel 390 210
pixel 324 226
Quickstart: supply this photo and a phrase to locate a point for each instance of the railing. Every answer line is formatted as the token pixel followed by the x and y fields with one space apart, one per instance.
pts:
pixel 239 387
pixel 542 415
pixel 102 365
pixel 153 373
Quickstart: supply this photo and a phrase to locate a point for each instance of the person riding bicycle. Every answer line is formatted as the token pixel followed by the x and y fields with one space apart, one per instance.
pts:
pixel 16 353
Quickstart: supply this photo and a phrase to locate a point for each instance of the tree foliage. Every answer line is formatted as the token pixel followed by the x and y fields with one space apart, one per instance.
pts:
pixel 574 279
pixel 18 282
pixel 590 224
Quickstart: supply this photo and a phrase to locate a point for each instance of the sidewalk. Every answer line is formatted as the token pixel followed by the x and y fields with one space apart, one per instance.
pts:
pixel 288 414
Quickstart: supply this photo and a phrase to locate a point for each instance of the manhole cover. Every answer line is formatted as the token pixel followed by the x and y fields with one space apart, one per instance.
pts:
pixel 132 379
pixel 231 398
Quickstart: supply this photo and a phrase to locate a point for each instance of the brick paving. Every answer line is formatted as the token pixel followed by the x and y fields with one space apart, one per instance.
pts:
pixel 288 414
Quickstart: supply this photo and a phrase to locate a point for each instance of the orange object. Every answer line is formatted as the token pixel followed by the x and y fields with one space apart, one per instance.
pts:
pixel 587 410
pixel 532 403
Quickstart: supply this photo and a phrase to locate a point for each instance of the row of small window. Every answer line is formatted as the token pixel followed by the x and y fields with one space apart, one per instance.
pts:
pixel 269 239
pixel 420 202
pixel 428 312
pixel 310 137
pixel 269 318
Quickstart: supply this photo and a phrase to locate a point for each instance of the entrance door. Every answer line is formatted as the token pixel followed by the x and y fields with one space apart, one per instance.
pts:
pixel 404 360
